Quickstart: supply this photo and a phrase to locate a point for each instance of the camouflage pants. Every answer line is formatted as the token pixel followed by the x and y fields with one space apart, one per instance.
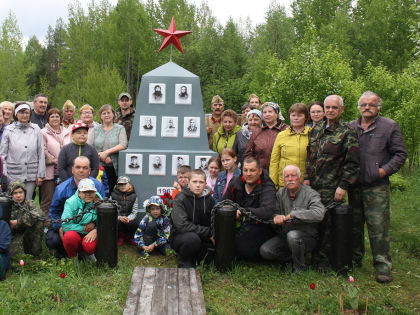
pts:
pixel 28 240
pixel 371 205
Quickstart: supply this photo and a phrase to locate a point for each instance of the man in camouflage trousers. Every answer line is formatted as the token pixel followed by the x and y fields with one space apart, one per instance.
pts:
pixel 125 113
pixel 332 165
pixel 26 230
pixel 382 153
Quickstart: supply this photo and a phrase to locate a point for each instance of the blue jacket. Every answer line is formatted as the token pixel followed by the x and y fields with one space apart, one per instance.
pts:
pixel 221 183
pixel 163 230
pixel 63 192
pixel 5 239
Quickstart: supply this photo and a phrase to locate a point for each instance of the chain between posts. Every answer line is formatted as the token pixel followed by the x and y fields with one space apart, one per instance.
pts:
pixel 249 214
pixel 58 221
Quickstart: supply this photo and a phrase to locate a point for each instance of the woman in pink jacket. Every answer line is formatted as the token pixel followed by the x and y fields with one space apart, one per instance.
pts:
pixel 55 137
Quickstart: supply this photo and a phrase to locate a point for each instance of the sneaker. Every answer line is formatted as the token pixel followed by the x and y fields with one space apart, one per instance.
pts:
pixel 383 277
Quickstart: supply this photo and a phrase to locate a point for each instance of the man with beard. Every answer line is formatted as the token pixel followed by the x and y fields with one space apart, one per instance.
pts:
pixel 157 94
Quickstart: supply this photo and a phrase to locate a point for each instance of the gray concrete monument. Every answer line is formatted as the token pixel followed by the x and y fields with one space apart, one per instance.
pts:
pixel 168 131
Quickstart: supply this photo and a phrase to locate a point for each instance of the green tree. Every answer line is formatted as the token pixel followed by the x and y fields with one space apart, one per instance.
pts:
pixel 32 62
pixel 12 71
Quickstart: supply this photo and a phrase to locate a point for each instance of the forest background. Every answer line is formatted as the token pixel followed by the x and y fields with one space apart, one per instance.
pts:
pixel 321 47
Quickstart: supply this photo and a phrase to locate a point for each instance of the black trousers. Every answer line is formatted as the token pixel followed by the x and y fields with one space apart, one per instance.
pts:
pixel 249 239
pixel 190 248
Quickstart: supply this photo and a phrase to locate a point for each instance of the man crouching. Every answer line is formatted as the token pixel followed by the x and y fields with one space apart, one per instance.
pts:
pixel 299 210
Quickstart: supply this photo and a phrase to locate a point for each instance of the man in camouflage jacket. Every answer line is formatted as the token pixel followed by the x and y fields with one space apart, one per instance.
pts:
pixel 125 113
pixel 26 230
pixel 382 153
pixel 332 164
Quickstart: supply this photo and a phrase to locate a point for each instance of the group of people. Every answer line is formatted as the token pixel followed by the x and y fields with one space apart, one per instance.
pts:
pixel 292 174
pixel 288 174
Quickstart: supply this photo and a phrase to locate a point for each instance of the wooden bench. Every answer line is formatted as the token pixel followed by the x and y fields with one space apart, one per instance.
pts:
pixel 165 291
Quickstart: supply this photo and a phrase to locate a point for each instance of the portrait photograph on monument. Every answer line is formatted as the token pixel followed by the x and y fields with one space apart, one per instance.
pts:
pixel 157 164
pixel 178 161
pixel 134 164
pixel 183 93
pixel 201 161
pixel 147 126
pixel 157 93
pixel 169 127
pixel 191 127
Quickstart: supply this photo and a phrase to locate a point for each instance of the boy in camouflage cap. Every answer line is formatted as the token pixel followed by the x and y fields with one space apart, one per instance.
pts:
pixel 26 230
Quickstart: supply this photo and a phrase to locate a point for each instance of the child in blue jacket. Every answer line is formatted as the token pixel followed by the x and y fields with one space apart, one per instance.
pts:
pixel 154 229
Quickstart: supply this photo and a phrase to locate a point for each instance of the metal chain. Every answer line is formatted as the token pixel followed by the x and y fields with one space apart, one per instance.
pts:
pixel 24 209
pixel 248 214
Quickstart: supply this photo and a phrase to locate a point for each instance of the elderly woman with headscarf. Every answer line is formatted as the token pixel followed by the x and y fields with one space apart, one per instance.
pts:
pixel 262 140
pixel 22 150
pixel 253 122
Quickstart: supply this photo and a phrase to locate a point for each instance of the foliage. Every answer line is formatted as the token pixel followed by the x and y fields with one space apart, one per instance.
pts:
pixel 398 182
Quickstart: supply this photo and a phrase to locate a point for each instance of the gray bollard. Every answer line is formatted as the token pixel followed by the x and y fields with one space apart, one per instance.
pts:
pixel 107 249
pixel 225 221
pixel 5 208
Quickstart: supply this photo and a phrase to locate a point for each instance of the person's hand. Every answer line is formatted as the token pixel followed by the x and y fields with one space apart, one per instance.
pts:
pixel 307 182
pixel 340 194
pixel 382 173
pixel 208 130
pixel 61 233
pixel 124 220
pixel 91 236
pixel 39 181
pixel 280 219
pixel 102 156
pixel 213 240
pixel 89 227
pixel 149 248
pixel 12 224
pixel 177 186
pixel 108 160
pixel 238 215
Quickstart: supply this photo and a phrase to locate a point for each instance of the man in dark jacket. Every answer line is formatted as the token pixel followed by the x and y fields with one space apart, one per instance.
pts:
pixel 255 192
pixel 382 153
pixel 39 113
pixel 125 113
pixel 191 218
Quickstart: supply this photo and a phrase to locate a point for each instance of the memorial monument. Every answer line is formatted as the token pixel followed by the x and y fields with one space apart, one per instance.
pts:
pixel 168 129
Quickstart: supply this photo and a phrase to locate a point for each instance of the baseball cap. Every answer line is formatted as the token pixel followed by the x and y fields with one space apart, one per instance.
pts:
pixel 124 94
pixel 79 126
pixel 123 180
pixel 86 184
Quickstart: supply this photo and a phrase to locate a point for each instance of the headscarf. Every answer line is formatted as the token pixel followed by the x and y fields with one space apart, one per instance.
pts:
pixel 276 107
pixel 254 111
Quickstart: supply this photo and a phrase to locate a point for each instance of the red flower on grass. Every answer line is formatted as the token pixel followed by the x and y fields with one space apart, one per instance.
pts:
pixel 62 275
pixel 21 262
pixel 312 286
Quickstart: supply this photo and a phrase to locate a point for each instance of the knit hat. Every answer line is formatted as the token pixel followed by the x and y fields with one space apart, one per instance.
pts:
pixel 254 111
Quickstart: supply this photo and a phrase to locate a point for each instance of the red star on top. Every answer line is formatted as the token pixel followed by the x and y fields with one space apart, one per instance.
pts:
pixel 172 36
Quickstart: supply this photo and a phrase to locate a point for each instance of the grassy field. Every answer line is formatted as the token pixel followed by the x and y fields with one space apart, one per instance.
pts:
pixel 253 288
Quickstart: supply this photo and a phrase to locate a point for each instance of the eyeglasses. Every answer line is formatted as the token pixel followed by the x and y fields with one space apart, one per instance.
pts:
pixel 86 113
pixel 370 105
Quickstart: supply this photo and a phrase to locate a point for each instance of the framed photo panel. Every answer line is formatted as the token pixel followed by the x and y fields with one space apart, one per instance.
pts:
pixel 183 94
pixel 191 127
pixel 147 126
pixel 201 161
pixel 169 127
pixel 134 164
pixel 178 161
pixel 157 93
pixel 157 164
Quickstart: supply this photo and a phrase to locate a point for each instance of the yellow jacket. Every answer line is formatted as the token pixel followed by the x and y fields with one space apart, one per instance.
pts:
pixel 289 148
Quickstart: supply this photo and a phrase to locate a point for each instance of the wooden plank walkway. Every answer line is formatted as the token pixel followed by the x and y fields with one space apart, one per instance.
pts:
pixel 165 291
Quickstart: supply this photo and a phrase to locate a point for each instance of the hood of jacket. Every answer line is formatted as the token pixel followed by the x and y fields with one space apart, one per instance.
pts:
pixel 15 185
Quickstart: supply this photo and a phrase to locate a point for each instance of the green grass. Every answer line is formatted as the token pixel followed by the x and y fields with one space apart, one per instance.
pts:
pixel 250 288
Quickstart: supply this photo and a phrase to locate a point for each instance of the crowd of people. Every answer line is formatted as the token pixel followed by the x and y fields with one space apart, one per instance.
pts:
pixel 289 174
